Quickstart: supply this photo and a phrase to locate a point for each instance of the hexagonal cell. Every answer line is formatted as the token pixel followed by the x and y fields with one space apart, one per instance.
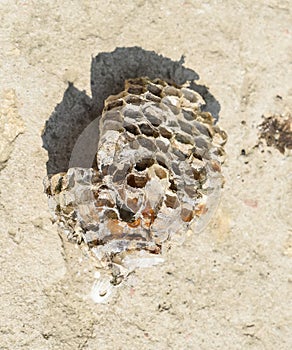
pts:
pixel 147 143
pixel 154 89
pixel 171 201
pixel 160 172
pixel 132 128
pixel 137 181
pixel 147 130
pixel 144 163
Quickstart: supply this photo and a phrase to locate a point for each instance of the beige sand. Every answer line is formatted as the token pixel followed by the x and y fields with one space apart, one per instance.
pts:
pixel 227 288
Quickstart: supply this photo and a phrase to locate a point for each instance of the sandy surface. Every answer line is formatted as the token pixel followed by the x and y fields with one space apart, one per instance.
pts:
pixel 227 288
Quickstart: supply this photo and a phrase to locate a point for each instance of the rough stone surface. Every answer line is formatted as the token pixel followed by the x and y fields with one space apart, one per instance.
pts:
pixel 11 124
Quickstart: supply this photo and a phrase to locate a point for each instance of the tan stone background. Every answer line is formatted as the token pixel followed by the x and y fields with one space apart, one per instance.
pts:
pixel 227 288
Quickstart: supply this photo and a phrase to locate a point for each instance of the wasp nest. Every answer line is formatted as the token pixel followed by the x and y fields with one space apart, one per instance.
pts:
pixel 158 162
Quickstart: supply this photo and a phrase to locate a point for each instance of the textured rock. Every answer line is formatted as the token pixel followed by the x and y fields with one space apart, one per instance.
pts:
pixel 157 172
pixel 11 124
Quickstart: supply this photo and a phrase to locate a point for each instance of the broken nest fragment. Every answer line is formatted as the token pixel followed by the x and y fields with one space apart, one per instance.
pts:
pixel 277 131
pixel 158 164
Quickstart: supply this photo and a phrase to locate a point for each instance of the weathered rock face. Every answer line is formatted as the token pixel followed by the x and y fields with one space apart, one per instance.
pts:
pixel 157 166
pixel 11 125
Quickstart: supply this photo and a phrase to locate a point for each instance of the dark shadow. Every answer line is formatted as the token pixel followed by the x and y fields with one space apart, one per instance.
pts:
pixel 64 126
pixel 212 105
pixel 110 70
pixel 108 73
